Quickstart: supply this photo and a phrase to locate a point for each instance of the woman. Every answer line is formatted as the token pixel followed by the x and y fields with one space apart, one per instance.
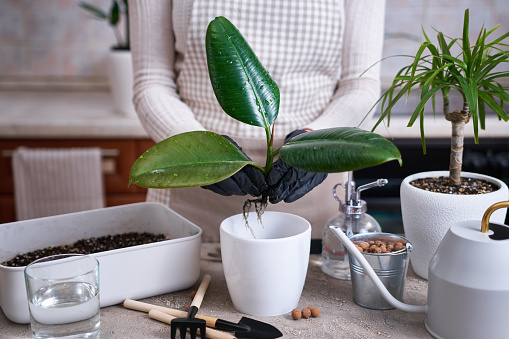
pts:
pixel 314 50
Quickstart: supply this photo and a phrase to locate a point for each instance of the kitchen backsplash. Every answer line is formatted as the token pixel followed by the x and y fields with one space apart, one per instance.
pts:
pixel 54 41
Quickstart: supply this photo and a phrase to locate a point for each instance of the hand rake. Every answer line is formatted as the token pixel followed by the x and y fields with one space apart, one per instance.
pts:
pixel 190 322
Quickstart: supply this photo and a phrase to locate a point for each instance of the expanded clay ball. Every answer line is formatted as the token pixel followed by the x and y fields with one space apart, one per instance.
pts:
pixel 364 245
pixel 379 246
pixel 296 314
pixel 399 246
pixel 193 293
pixel 309 311
pixel 306 313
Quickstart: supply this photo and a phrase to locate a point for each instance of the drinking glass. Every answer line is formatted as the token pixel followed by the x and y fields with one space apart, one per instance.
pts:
pixel 63 296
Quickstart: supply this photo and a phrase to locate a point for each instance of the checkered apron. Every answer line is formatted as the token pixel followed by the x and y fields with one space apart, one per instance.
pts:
pixel 299 43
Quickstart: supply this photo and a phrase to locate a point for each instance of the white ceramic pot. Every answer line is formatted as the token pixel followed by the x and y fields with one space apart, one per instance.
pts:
pixel 428 215
pixel 265 276
pixel 120 74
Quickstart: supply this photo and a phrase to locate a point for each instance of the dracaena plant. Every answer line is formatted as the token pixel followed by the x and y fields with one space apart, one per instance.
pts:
pixel 118 8
pixel 472 73
pixel 247 93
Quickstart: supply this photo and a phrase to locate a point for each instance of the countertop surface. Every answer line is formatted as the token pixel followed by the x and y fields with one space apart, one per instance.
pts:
pixel 340 317
pixel 40 114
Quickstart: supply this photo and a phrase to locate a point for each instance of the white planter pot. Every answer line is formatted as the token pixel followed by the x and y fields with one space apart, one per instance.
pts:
pixel 265 276
pixel 134 272
pixel 120 74
pixel 428 215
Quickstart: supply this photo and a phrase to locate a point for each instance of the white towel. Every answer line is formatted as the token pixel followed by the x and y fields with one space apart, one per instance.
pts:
pixel 51 181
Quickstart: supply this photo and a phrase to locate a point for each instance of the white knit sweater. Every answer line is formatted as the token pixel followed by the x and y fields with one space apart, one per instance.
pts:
pixel 315 54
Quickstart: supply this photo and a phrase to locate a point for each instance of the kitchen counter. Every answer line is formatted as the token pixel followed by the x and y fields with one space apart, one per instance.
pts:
pixel 40 114
pixel 340 317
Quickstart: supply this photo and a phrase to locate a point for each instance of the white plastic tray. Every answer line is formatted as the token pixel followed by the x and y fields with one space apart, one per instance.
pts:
pixel 133 272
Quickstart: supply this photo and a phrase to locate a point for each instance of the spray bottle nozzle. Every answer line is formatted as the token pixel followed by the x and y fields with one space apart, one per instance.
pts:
pixel 353 203
pixel 378 183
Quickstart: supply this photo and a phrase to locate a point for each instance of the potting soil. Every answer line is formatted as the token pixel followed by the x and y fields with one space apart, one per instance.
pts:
pixel 88 246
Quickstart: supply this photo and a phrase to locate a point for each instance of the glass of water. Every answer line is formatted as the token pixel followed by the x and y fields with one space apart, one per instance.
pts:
pixel 63 296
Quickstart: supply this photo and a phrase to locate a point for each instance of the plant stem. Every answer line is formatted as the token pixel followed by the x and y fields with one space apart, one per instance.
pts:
pixel 445 100
pixel 127 32
pixel 270 159
pixel 458 120
pixel 270 147
pixel 456 158
pixel 118 36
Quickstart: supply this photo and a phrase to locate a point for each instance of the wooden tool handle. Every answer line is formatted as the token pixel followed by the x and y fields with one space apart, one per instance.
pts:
pixel 166 318
pixel 198 298
pixel 144 307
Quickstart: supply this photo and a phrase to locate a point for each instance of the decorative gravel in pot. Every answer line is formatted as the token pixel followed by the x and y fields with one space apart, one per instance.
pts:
pixel 468 186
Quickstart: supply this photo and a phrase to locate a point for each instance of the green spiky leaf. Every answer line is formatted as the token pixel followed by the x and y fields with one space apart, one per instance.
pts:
pixel 96 11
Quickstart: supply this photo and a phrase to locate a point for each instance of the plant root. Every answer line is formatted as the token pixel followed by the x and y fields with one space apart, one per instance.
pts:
pixel 260 204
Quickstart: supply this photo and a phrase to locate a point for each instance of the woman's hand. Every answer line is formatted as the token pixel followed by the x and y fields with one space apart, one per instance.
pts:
pixel 287 183
pixel 249 180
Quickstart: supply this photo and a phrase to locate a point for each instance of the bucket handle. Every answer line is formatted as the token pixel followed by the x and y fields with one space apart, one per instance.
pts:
pixel 485 223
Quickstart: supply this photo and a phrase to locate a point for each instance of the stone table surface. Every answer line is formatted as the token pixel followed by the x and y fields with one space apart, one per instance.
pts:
pixel 340 317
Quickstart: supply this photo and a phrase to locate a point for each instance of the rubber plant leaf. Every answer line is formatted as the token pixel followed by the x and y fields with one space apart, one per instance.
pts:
pixel 189 159
pixel 338 150
pixel 243 87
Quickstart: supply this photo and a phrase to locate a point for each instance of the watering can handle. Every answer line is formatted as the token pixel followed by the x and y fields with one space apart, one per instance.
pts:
pixel 372 275
pixel 485 223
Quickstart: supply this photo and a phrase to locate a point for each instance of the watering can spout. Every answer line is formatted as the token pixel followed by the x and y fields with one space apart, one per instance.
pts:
pixel 372 275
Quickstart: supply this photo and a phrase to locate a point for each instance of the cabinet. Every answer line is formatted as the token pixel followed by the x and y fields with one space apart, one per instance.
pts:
pixel 117 161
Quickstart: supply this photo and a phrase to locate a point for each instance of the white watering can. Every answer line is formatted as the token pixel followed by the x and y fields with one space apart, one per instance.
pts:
pixel 468 282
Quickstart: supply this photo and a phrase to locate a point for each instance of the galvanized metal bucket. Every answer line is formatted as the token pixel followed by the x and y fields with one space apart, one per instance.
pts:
pixel 391 268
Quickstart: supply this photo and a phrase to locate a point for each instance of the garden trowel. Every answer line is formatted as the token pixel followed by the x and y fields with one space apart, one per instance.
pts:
pixel 245 328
